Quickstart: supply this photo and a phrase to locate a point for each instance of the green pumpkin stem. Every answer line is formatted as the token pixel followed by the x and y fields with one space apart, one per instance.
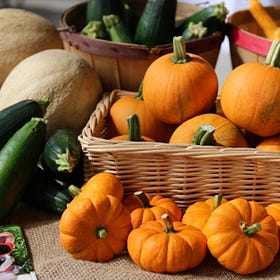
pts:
pixel 134 128
pixel 139 95
pixel 101 232
pixel 179 51
pixel 273 56
pixel 168 223
pixel 204 135
pixel 144 199
pixel 250 230
pixel 74 190
pixel 217 201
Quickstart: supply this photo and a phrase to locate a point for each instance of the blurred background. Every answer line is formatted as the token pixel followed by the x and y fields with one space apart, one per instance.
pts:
pixel 53 9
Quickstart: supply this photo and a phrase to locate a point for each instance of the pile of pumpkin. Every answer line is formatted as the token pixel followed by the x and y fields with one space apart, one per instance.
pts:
pixel 100 223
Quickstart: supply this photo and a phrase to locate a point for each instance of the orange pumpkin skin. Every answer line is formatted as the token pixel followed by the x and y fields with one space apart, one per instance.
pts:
pixel 157 205
pixel 228 243
pixel 176 92
pixel 226 133
pixel 85 217
pixel 273 210
pixel 199 212
pixel 154 249
pixel 270 144
pixel 250 98
pixel 128 105
pixel 106 183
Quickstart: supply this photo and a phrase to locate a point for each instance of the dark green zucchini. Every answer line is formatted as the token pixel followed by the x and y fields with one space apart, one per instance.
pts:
pixel 156 25
pixel 15 116
pixel 96 9
pixel 62 156
pixel 18 159
pixel 46 193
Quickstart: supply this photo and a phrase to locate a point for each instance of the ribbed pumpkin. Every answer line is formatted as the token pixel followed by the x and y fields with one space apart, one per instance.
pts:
pixel 165 247
pixel 242 236
pixel 273 209
pixel 270 144
pixel 179 85
pixel 224 132
pixel 250 95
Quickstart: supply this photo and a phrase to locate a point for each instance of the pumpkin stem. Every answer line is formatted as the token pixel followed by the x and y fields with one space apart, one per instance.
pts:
pixel 139 95
pixel 74 190
pixel 273 56
pixel 168 223
pixel 65 161
pixel 134 128
pixel 204 135
pixel 217 201
pixel 250 230
pixel 144 199
pixel 100 232
pixel 179 51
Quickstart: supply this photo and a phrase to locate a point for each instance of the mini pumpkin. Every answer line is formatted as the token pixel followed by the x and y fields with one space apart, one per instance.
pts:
pixel 270 144
pixel 144 207
pixel 242 236
pixel 95 228
pixel 273 209
pixel 165 247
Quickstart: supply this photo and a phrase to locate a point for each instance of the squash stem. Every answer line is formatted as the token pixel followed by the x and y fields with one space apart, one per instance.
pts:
pixel 134 128
pixel 273 56
pixel 144 199
pixel 204 135
pixel 44 103
pixel 65 162
pixel 168 223
pixel 139 95
pixel 74 190
pixel 250 230
pixel 180 55
pixel 100 232
pixel 217 201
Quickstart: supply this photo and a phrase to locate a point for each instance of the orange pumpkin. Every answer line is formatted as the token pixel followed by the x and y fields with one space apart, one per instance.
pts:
pixel 273 209
pixel 128 105
pixel 270 144
pixel 199 212
pixel 144 207
pixel 250 95
pixel 95 228
pixel 242 236
pixel 225 133
pixel 179 85
pixel 165 247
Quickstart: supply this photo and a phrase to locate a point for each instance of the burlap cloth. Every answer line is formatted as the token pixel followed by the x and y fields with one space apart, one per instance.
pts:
pixel 52 262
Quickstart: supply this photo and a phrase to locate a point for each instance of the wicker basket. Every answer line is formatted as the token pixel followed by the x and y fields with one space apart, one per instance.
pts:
pixel 247 42
pixel 185 173
pixel 120 65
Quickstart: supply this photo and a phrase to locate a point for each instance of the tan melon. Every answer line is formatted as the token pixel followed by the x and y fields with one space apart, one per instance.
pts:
pixel 23 33
pixel 72 86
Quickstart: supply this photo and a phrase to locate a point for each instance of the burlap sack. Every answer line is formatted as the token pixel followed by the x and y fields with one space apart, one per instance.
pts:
pixel 52 262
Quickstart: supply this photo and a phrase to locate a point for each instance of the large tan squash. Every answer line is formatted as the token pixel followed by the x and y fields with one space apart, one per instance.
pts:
pixel 70 83
pixel 23 33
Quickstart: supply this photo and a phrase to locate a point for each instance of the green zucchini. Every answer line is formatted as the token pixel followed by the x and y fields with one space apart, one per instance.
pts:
pixel 18 159
pixel 95 30
pixel 15 116
pixel 62 156
pixel 157 23
pixel 213 17
pixel 46 193
pixel 117 30
pixel 96 9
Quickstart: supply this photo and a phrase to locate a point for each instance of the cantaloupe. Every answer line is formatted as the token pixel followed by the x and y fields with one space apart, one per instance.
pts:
pixel 71 85
pixel 23 33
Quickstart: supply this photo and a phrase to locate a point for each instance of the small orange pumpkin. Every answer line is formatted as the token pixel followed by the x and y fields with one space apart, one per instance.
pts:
pixel 225 133
pixel 144 207
pixel 179 85
pixel 273 209
pixel 242 236
pixel 165 247
pixel 199 212
pixel 250 95
pixel 95 228
pixel 270 144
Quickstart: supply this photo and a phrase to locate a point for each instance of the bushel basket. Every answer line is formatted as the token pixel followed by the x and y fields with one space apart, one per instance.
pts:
pixel 185 173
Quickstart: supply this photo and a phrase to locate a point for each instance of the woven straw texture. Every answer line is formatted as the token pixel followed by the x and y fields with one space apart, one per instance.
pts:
pixel 52 262
pixel 185 173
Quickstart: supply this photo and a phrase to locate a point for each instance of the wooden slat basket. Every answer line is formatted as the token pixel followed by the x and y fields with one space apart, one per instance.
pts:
pixel 247 42
pixel 185 173
pixel 122 65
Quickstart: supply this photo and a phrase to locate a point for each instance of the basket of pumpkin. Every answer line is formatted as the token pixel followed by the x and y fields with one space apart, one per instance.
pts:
pixel 195 148
pixel 252 31
pixel 120 39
